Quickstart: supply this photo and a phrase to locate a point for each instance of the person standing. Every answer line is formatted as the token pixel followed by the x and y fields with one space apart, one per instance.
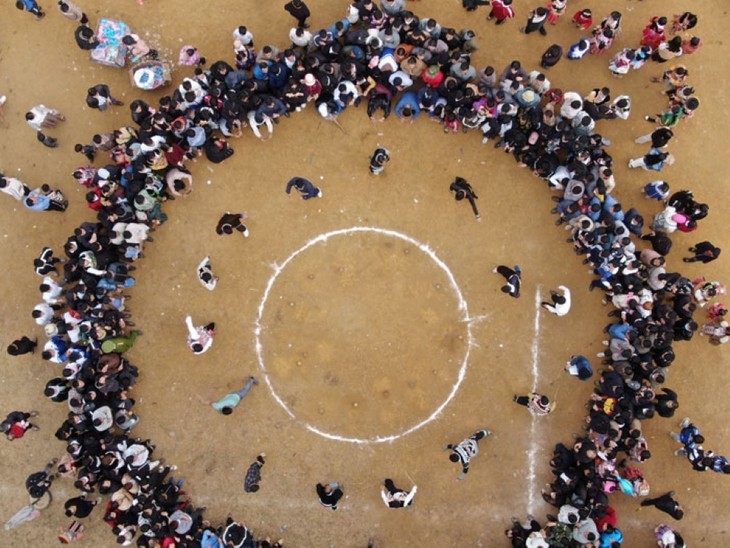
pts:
pixel 13 187
pixel 536 21
pixel 299 11
pixel 31 6
pixel 653 160
pixel 100 97
pixel 513 277
pixel 41 117
pixel 329 494
pixel 253 475
pixel 538 404
pixel 73 12
pixel 463 190
pixel 305 187
pixel 466 450
pixel 200 338
pixel 229 402
pixel 560 304
pixel 501 11
pixel 378 160
pixel 206 276
pixel 704 252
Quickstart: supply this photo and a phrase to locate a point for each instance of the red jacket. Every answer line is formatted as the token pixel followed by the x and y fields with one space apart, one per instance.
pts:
pixel 501 11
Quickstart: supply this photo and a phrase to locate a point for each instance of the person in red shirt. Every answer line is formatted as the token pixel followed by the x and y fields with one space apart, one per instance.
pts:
pixel 16 424
pixel 501 11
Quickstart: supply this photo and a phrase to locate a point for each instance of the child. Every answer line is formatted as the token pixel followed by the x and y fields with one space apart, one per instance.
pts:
pixel 583 19
pixel 579 50
pixel 31 6
pixel 556 9
pixel 656 190
pixel 190 57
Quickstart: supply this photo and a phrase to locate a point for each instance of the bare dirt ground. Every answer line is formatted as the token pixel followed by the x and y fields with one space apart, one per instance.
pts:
pixel 362 336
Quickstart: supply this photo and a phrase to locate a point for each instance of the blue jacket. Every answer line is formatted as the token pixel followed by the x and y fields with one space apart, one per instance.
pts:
pixel 408 99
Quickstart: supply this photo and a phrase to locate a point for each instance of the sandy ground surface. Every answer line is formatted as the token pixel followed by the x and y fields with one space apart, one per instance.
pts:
pixel 362 336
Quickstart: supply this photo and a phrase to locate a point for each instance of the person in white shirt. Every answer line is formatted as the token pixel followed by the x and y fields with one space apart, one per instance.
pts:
pixel 560 304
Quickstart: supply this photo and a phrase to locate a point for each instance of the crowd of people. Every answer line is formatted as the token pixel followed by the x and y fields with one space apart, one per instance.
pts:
pixel 379 55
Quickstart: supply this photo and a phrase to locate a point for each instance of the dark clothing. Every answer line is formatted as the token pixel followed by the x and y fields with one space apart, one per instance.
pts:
pixel 660 242
pixel 230 222
pixel 83 506
pixel 57 389
pixel 661 137
pixel 22 346
pixel 704 252
pixel 380 157
pixel 299 11
pixel 217 150
pixel 536 22
pixel 667 504
pixel 39 483
pixel 85 38
pixel 514 279
pixel 463 189
pixel 253 476
pixel 330 498
pixel 471 5
pixel 661 403
pixel 307 189
pixel 551 56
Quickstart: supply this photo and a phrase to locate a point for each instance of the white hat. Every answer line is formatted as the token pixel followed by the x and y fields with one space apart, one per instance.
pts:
pixel 309 80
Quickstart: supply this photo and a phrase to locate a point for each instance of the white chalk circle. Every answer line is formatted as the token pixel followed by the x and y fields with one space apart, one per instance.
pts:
pixel 291 316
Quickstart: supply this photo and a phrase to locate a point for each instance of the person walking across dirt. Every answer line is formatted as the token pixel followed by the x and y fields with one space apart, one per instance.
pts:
pixel 463 190
pixel 305 187
pixel 253 475
pixel 667 504
pixel 41 117
pixel 536 20
pixel 513 277
pixel 31 6
pixel 299 11
pixel 200 338
pixel 71 11
pixel 205 274
pixel 466 450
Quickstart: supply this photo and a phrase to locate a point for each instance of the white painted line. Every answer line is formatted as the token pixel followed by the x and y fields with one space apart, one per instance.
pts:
pixel 463 309
pixel 532 452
